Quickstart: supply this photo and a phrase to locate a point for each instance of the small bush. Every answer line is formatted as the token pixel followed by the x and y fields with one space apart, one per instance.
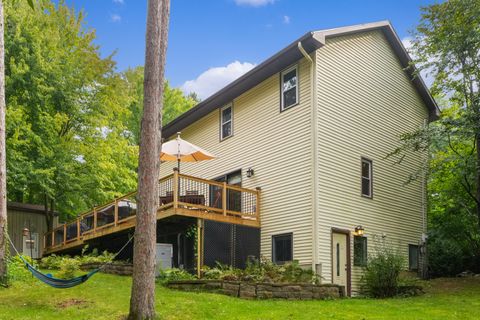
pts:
pixel 262 270
pixel 68 268
pixel 17 271
pixel 174 275
pixel 381 278
pixel 54 262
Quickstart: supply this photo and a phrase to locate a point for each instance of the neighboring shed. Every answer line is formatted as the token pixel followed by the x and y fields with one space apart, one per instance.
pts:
pixel 31 216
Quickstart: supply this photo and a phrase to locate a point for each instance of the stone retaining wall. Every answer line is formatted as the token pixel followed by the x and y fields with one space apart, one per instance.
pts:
pixel 248 290
pixel 121 269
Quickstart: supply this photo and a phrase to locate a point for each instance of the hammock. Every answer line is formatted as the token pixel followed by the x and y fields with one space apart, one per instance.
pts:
pixel 62 283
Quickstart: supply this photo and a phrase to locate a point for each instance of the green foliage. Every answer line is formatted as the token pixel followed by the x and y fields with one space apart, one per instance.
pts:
pixel 54 262
pixel 173 274
pixel 68 268
pixel 16 269
pixel 446 45
pixel 174 102
pixel 65 110
pixel 262 271
pixel 381 278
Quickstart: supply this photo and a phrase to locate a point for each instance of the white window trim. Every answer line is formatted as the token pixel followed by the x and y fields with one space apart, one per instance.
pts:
pixel 230 105
pixel 370 177
pixel 282 103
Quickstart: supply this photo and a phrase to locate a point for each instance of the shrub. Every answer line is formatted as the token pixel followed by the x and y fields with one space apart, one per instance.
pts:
pixel 381 278
pixel 173 275
pixel 68 268
pixel 262 270
pixel 54 262
pixel 16 269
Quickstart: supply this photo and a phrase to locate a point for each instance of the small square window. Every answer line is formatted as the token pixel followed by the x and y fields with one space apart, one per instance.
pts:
pixel 366 182
pixel 282 248
pixel 413 257
pixel 289 88
pixel 359 251
pixel 226 122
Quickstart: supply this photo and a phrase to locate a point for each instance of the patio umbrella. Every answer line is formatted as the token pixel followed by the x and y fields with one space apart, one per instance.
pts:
pixel 183 151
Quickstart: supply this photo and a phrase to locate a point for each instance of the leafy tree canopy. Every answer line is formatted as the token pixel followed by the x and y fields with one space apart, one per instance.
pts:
pixel 72 119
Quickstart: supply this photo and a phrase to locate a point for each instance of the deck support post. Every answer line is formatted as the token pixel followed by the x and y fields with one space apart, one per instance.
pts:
pixel 79 232
pixel 257 208
pixel 199 247
pixel 94 219
pixel 115 213
pixel 224 198
pixel 64 234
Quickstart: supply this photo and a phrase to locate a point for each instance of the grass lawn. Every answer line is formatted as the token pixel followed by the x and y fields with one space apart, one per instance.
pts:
pixel 107 297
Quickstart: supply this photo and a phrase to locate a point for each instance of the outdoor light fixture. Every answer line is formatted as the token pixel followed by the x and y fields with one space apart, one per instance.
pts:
pixel 359 230
pixel 25 232
pixel 250 172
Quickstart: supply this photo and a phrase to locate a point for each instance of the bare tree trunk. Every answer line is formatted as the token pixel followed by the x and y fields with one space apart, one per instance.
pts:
pixel 142 301
pixel 3 161
pixel 477 180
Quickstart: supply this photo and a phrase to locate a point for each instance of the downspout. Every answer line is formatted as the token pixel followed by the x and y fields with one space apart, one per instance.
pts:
pixel 314 137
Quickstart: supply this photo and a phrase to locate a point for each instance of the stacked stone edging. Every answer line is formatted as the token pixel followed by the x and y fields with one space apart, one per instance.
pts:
pixel 251 290
pixel 121 269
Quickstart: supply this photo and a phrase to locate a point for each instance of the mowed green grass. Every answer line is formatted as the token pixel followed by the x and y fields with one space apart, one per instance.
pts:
pixel 107 297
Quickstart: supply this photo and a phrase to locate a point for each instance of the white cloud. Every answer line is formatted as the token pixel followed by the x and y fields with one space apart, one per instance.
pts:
pixel 254 3
pixel 425 74
pixel 286 19
pixel 216 78
pixel 119 1
pixel 115 18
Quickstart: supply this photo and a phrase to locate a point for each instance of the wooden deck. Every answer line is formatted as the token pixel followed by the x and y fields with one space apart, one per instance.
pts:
pixel 179 194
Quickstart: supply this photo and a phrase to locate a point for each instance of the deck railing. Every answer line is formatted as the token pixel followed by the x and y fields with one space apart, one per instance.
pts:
pixel 186 195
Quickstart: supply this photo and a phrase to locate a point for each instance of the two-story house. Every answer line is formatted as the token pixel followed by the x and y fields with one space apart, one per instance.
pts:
pixel 311 128
pixel 314 124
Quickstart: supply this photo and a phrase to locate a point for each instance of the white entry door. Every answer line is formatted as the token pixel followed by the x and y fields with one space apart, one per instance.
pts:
pixel 31 246
pixel 339 259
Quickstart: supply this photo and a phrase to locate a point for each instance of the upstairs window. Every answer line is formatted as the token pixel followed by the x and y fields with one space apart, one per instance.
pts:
pixel 282 248
pixel 359 251
pixel 366 178
pixel 289 88
pixel 226 122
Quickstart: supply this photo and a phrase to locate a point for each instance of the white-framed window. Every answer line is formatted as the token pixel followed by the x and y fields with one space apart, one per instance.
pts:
pixel 366 183
pixel 289 88
pixel 226 121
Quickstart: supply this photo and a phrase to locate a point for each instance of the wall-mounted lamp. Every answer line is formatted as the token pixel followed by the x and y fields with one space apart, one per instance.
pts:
pixel 25 232
pixel 359 231
pixel 250 172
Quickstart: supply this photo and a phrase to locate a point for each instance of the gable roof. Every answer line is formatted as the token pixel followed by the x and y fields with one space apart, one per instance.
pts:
pixel 310 42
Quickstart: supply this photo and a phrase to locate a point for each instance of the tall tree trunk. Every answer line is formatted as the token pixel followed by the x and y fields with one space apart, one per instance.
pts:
pixel 477 180
pixel 142 301
pixel 3 161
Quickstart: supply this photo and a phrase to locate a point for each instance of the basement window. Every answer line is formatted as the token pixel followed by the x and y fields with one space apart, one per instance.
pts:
pixel 282 248
pixel 226 122
pixel 412 257
pixel 366 178
pixel 289 88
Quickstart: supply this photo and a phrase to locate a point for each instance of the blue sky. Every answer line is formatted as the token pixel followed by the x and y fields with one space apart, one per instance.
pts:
pixel 211 42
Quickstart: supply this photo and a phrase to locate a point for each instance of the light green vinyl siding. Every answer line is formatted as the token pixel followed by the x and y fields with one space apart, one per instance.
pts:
pixel 277 145
pixel 365 101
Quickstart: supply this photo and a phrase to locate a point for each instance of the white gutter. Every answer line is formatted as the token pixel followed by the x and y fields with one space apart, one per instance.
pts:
pixel 314 138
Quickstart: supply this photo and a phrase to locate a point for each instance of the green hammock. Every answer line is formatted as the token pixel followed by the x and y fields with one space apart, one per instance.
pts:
pixel 62 283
